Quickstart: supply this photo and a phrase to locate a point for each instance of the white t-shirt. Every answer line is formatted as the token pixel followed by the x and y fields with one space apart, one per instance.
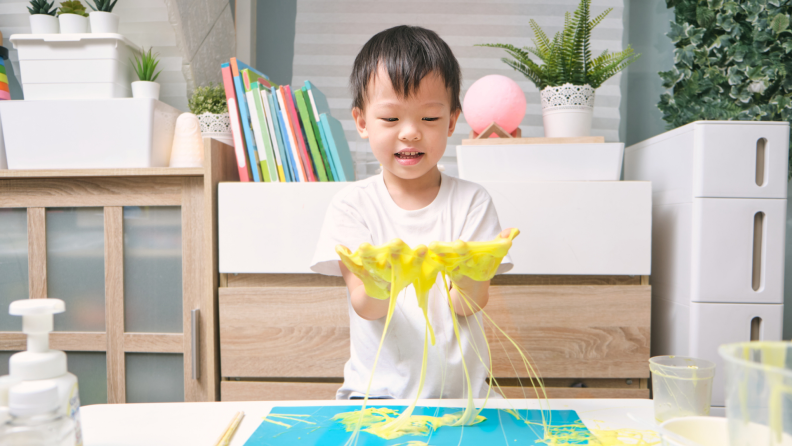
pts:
pixel 365 212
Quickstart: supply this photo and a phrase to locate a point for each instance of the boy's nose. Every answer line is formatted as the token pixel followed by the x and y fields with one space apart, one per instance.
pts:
pixel 409 133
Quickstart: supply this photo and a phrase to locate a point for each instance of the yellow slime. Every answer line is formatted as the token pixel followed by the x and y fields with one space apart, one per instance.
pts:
pixel 388 269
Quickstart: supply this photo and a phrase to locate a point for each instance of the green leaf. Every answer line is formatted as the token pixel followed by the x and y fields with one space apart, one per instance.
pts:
pixel 678 32
pixel 685 55
pixel 725 21
pixel 705 16
pixel 779 23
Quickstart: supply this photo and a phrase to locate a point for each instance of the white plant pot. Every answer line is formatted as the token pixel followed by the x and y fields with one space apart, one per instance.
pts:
pixel 73 24
pixel 217 126
pixel 104 22
pixel 145 90
pixel 44 24
pixel 567 110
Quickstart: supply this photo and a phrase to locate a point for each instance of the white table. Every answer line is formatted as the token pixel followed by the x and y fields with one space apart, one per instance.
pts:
pixel 202 423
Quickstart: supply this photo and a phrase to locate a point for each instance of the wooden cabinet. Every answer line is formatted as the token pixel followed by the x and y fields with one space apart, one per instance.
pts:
pixel 579 303
pixel 133 253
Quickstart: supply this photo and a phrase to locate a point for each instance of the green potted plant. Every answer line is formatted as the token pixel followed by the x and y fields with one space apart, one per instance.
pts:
pixel 145 66
pixel 209 104
pixel 102 18
pixel 566 74
pixel 42 17
pixel 72 17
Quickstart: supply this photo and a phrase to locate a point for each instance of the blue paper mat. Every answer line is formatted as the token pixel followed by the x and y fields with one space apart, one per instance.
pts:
pixel 499 429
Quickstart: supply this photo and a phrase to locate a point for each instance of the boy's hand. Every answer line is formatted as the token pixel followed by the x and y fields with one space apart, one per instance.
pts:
pixel 476 260
pixel 376 287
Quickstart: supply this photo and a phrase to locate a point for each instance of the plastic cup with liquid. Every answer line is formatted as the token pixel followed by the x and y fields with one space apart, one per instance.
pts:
pixel 681 386
pixel 758 393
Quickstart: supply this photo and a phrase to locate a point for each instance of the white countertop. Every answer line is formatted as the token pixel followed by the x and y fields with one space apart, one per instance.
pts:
pixel 202 423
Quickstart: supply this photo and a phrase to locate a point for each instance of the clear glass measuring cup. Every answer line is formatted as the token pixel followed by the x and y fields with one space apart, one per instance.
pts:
pixel 681 386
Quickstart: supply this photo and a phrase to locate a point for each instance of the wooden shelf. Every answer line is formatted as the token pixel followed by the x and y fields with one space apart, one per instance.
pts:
pixel 73 173
pixel 499 141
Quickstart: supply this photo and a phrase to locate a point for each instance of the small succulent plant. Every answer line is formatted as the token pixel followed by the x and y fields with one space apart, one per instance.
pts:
pixel 72 7
pixel 102 5
pixel 211 99
pixel 145 65
pixel 42 7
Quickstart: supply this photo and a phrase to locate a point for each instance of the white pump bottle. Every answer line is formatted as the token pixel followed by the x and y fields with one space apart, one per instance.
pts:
pixel 39 362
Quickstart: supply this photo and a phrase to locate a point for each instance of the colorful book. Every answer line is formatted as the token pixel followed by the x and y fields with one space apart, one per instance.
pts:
pixel 276 144
pixel 236 126
pixel 291 112
pixel 305 118
pixel 339 149
pixel 244 116
pixel 260 132
pixel 280 129
pixel 294 151
pixel 288 171
pixel 270 164
pixel 321 140
pixel 319 105
pixel 268 83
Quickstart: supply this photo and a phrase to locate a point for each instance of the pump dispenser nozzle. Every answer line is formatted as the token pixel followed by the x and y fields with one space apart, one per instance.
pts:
pixel 38 362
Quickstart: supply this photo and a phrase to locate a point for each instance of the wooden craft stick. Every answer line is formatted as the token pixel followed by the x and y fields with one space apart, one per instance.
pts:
pixel 225 439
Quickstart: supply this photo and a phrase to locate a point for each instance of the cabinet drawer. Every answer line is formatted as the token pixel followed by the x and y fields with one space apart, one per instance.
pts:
pixel 712 325
pixel 569 331
pixel 738 250
pixel 741 160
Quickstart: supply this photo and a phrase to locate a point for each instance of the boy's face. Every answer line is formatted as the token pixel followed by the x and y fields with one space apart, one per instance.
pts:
pixel 408 135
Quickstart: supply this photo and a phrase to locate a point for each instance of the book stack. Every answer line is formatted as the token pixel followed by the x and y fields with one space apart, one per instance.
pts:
pixel 282 133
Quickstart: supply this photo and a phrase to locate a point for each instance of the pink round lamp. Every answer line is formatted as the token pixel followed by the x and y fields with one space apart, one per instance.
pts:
pixel 494 99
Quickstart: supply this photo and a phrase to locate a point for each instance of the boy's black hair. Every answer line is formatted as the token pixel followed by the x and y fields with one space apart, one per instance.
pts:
pixel 408 53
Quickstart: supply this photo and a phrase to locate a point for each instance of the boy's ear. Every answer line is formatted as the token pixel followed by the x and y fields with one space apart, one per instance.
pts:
pixel 453 121
pixel 360 122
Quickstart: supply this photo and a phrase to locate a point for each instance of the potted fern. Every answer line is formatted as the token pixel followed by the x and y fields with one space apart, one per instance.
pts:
pixel 145 66
pixel 42 17
pixel 566 74
pixel 102 18
pixel 73 18
pixel 209 104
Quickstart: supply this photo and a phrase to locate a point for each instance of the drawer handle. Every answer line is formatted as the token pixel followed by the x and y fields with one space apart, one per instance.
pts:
pixel 761 161
pixel 758 248
pixel 194 350
pixel 756 329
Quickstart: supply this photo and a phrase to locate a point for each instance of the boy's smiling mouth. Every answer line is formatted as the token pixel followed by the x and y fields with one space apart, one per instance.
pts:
pixel 408 157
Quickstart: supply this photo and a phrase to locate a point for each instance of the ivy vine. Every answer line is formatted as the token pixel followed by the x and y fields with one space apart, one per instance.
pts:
pixel 732 61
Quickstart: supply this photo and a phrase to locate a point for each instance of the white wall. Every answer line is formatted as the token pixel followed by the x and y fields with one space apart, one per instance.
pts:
pixel 329 34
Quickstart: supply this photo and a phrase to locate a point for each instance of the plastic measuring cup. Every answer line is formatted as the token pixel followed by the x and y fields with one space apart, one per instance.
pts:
pixel 758 393
pixel 681 387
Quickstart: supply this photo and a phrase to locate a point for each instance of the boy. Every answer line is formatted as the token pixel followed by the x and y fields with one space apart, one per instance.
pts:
pixel 406 84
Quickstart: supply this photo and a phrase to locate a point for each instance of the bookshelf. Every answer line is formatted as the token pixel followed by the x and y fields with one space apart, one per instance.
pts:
pixel 143 243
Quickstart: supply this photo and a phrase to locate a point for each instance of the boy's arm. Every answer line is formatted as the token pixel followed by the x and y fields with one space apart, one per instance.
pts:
pixel 365 306
pixel 477 294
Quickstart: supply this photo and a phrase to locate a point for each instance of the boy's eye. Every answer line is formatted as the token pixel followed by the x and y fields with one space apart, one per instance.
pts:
pixel 430 119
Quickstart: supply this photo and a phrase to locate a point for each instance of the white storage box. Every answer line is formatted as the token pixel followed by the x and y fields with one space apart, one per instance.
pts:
pixel 737 255
pixel 540 162
pixel 75 66
pixel 719 159
pixel 101 134
pixel 568 228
